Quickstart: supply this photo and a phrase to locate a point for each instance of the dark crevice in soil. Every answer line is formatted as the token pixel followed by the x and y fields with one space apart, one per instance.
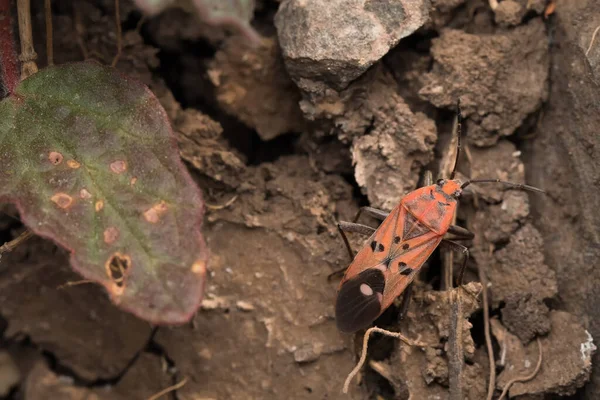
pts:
pixel 55 365
pixel 258 151
pixel 154 348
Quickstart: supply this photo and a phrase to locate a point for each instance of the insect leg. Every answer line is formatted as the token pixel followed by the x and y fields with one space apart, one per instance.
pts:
pixel 407 294
pixel 373 212
pixel 460 233
pixel 344 226
pixel 458 247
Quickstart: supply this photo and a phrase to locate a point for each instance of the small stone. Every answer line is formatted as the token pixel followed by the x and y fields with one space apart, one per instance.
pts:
pixel 333 42
pixel 307 353
pixel 244 306
pixel 509 13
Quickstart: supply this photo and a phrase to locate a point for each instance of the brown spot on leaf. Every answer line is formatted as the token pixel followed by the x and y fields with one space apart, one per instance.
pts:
pixel 73 164
pixel 117 267
pixel 154 213
pixel 84 194
pixel 62 200
pixel 111 234
pixel 199 267
pixel 55 157
pixel 99 205
pixel 118 167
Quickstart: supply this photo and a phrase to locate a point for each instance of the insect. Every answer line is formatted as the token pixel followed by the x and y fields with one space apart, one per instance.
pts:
pixel 397 249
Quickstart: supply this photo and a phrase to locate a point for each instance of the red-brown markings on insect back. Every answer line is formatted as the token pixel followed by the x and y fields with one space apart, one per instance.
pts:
pixel 62 200
pixel 118 167
pixel 154 213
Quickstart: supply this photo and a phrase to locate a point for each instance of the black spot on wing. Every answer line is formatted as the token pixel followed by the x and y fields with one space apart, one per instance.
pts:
pixel 404 268
pixel 397 239
pixel 405 246
pixel 353 309
pixel 380 247
pixel 373 245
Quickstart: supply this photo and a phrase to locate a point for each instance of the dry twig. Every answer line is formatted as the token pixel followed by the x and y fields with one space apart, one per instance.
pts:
pixel 28 54
pixel 49 47
pixel 10 246
pixel 455 350
pixel 119 34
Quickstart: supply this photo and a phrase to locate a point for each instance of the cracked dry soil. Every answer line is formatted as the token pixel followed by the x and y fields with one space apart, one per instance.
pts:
pixel 286 155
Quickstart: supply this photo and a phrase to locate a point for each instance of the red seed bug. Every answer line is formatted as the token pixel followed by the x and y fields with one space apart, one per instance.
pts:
pixel 397 249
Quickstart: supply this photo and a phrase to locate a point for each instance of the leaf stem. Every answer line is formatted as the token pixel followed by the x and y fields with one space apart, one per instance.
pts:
pixel 9 63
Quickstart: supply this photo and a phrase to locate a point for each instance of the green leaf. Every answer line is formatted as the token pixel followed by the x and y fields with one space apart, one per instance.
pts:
pixel 233 13
pixel 89 158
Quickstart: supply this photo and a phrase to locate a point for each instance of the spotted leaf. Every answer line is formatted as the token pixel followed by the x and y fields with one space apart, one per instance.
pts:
pixel 89 158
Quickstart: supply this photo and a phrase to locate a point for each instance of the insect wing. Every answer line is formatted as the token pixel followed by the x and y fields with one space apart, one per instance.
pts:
pixel 383 269
pixel 361 291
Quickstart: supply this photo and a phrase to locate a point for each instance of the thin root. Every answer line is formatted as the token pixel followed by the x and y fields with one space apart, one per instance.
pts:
pixel 528 377
pixel 592 41
pixel 221 206
pixel 169 389
pixel 486 326
pixel 365 347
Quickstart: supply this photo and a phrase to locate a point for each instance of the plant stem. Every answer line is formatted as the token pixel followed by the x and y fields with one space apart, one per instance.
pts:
pixel 9 63
pixel 49 47
pixel 28 54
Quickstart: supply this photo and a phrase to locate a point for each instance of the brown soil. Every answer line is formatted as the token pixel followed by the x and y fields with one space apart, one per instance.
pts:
pixel 279 166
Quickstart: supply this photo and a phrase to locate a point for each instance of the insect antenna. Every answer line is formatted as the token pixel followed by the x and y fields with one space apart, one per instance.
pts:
pixel 511 184
pixel 459 134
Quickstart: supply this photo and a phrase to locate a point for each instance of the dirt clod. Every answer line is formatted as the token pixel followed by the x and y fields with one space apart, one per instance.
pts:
pixel 252 84
pixel 566 364
pixel 488 73
pixel 526 317
pixel 519 268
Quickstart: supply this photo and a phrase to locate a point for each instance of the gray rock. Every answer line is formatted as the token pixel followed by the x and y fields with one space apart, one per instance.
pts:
pixel 332 42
